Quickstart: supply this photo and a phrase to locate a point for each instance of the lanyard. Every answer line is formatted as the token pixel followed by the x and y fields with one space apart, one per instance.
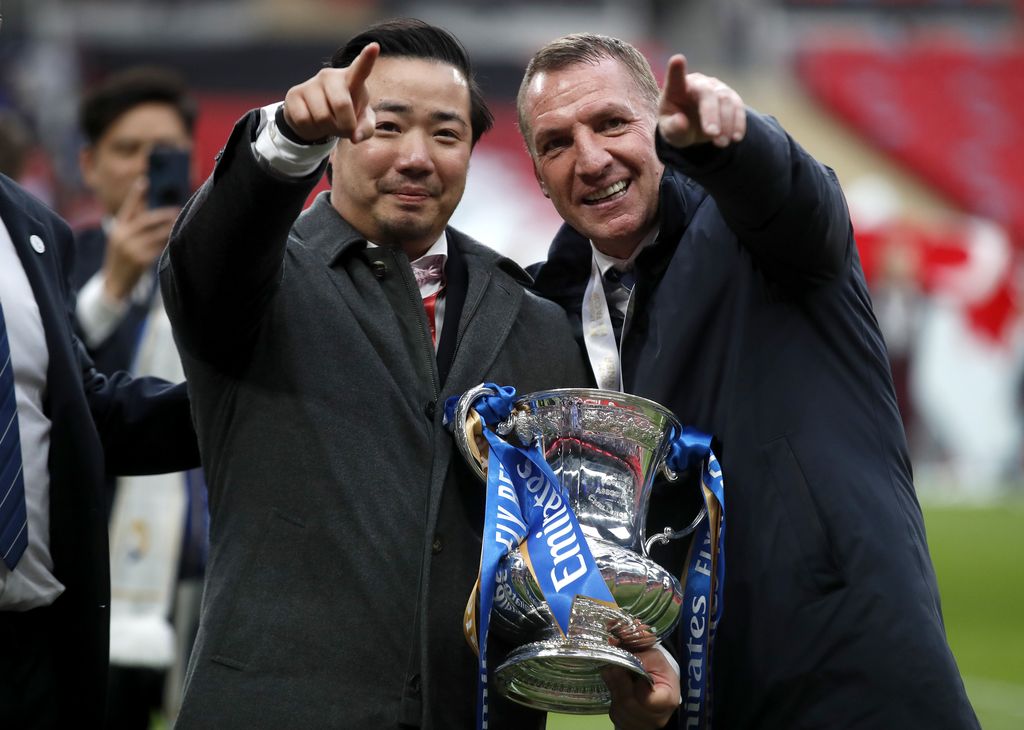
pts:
pixel 598 334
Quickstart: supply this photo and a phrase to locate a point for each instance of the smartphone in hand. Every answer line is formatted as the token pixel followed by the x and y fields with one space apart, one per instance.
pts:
pixel 170 182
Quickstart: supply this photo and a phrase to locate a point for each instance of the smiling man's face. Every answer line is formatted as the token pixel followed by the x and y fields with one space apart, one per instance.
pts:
pixel 591 135
pixel 401 186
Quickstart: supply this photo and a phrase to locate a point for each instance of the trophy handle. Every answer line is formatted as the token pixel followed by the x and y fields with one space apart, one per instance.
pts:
pixel 668 534
pixel 467 421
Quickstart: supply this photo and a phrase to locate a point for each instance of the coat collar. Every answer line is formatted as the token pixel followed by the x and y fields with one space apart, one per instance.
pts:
pixel 16 212
pixel 322 229
pixel 563 277
pixel 41 266
pixel 24 217
pixel 493 294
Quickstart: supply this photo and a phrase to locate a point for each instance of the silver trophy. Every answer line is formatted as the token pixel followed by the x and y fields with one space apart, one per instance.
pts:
pixel 605 448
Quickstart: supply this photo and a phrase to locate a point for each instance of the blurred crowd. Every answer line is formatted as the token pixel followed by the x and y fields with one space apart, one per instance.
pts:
pixel 946 287
pixel 946 292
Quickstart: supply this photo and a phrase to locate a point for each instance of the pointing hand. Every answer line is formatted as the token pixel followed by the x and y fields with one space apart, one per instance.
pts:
pixel 334 103
pixel 695 108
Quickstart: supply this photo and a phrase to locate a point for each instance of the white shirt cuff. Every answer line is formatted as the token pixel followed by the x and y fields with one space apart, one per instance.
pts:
pixel 281 154
pixel 98 314
pixel 675 665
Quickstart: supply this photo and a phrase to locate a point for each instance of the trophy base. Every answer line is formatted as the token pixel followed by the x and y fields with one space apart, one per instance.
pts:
pixel 560 676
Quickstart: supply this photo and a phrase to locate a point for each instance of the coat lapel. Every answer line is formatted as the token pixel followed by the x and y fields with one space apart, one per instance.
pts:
pixel 492 303
pixel 350 267
pixel 44 275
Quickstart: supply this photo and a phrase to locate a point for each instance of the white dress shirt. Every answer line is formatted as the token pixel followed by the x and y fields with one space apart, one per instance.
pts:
pixel 98 313
pixel 32 582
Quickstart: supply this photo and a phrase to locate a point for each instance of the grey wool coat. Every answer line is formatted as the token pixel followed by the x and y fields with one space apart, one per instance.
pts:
pixel 344 527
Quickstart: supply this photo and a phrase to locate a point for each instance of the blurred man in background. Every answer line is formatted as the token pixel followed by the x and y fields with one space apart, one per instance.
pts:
pixel 158 523
pixel 708 263
pixel 123 119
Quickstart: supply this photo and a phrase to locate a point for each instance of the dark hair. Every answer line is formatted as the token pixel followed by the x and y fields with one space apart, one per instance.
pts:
pixel 412 38
pixel 105 103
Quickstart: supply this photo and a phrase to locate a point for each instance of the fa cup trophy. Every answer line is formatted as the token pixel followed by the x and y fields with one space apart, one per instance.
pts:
pixel 604 450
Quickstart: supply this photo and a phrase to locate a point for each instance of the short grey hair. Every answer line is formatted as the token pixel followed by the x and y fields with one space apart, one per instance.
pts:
pixel 586 48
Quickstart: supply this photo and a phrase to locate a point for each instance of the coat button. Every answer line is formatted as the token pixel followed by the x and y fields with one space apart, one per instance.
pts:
pixel 430 409
pixel 436 546
pixel 379 268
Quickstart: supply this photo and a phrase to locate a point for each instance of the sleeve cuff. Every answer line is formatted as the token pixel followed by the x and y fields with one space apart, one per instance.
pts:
pixel 98 314
pixel 675 665
pixel 285 156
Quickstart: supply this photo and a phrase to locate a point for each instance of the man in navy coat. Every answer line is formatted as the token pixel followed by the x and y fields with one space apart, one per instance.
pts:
pixel 74 425
pixel 723 256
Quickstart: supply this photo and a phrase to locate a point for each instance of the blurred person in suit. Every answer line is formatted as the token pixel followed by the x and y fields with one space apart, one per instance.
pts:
pixel 65 426
pixel 720 276
pixel 320 347
pixel 158 523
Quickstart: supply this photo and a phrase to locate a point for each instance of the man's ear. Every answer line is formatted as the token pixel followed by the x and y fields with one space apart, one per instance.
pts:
pixel 329 172
pixel 543 187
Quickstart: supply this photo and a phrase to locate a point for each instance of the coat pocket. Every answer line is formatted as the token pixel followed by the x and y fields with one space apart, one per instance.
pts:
pixel 808 529
pixel 257 610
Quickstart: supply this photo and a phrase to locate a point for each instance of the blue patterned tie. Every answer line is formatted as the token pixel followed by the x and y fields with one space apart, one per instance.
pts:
pixel 13 515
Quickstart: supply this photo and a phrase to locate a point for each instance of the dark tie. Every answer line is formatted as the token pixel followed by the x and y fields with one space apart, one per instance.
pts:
pixel 13 516
pixel 617 286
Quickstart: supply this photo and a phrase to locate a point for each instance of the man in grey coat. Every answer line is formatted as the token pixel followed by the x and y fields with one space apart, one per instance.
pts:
pixel 319 349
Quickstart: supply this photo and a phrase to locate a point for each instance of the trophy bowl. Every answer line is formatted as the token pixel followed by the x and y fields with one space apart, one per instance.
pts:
pixel 605 448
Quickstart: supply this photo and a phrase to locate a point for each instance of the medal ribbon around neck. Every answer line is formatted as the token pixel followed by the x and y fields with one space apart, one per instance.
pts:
pixel 598 333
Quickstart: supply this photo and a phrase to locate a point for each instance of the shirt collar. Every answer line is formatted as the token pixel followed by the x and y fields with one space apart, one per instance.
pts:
pixel 439 248
pixel 605 262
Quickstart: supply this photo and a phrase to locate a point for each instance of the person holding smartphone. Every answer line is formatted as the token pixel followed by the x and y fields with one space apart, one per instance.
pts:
pixel 138 127
pixel 123 120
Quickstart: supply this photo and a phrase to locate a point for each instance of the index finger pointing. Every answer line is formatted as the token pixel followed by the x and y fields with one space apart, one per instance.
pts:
pixel 361 67
pixel 134 201
pixel 675 79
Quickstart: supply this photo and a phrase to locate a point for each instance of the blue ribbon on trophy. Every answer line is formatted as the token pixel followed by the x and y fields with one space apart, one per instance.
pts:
pixel 525 506
pixel 704 579
pixel 528 508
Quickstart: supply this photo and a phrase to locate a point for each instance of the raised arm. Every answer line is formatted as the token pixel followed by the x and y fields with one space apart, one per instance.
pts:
pixel 226 252
pixel 783 205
